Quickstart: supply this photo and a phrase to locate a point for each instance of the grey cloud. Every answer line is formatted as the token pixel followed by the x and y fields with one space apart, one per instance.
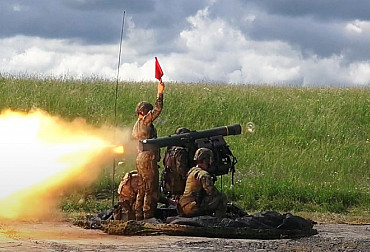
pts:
pixel 322 9
pixel 313 27
pixel 312 37
pixel 50 19
pixel 91 5
pixel 320 38
pixel 309 31
pixel 92 21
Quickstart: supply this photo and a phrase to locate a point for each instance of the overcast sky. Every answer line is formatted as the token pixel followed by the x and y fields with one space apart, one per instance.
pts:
pixel 278 42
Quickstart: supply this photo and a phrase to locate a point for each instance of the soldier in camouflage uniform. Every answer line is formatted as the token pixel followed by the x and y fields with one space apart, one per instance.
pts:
pixel 146 161
pixel 127 191
pixel 201 197
pixel 176 163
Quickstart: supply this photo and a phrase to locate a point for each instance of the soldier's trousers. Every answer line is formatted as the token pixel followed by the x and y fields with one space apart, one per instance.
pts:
pixel 148 185
pixel 125 210
pixel 209 205
pixel 215 205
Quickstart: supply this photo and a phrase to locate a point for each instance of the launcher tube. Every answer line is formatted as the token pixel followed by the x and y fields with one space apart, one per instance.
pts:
pixel 174 140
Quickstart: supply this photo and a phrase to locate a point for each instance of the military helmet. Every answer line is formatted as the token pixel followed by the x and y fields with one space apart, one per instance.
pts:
pixel 203 153
pixel 143 107
pixel 181 130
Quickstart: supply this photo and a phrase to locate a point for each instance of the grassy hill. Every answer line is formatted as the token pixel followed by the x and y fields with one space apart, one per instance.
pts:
pixel 310 150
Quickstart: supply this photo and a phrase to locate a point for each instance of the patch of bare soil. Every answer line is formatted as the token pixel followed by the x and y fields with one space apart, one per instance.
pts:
pixel 63 236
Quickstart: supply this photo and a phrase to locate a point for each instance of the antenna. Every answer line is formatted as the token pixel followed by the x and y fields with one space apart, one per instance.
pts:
pixel 118 65
pixel 115 103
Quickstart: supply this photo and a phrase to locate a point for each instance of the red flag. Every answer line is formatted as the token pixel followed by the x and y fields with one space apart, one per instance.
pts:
pixel 158 70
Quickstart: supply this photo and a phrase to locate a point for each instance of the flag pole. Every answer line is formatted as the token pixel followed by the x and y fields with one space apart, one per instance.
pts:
pixel 115 104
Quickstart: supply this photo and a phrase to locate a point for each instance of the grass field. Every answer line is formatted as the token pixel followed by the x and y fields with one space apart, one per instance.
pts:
pixel 310 150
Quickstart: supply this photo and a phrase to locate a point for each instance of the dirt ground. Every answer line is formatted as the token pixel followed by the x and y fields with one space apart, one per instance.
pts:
pixel 63 236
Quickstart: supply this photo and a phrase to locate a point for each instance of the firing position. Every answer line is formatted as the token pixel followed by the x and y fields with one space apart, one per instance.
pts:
pixel 201 197
pixel 146 161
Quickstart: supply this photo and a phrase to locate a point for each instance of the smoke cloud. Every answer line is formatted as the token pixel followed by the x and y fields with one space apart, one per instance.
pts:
pixel 43 156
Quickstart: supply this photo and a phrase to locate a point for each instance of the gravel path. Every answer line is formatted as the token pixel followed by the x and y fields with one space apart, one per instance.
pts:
pixel 63 236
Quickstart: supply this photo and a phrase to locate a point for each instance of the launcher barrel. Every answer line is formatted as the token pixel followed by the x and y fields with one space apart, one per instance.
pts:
pixel 175 140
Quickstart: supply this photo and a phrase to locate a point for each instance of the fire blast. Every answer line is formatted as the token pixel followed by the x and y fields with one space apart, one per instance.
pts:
pixel 42 155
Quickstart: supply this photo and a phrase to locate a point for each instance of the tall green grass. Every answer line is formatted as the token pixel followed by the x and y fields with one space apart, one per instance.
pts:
pixel 310 150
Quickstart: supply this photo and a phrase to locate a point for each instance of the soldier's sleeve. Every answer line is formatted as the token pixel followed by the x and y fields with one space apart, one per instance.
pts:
pixel 154 113
pixel 208 186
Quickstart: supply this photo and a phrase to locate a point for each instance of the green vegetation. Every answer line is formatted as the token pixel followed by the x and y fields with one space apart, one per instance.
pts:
pixel 310 150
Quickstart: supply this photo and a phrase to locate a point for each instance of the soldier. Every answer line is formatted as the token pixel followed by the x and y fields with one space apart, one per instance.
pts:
pixel 201 197
pixel 127 191
pixel 176 163
pixel 146 161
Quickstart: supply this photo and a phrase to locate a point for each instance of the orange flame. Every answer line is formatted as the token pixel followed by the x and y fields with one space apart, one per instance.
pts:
pixel 119 149
pixel 41 155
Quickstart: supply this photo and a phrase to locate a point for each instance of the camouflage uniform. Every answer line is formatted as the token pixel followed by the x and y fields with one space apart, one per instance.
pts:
pixel 176 166
pixel 127 191
pixel 146 164
pixel 176 163
pixel 201 197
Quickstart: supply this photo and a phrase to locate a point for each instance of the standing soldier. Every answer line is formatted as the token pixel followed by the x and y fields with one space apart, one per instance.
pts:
pixel 201 197
pixel 146 161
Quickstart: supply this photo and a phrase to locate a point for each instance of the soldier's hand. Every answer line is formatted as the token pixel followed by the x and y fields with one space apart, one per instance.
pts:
pixel 160 87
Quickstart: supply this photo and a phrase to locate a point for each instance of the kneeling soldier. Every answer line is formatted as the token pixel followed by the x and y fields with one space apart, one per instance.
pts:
pixel 201 197
pixel 127 190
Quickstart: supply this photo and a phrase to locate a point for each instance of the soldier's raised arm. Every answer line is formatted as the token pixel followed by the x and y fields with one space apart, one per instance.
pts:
pixel 154 113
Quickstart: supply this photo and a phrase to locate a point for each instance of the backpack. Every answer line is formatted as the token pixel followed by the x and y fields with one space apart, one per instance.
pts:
pixel 128 186
pixel 224 160
pixel 176 164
